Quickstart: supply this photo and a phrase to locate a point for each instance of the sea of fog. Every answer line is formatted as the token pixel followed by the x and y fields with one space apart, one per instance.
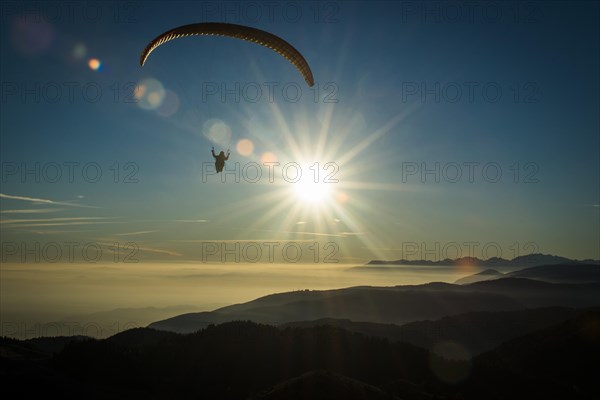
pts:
pixel 100 300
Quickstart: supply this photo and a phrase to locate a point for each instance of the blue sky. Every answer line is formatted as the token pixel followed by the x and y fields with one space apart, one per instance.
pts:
pixel 509 88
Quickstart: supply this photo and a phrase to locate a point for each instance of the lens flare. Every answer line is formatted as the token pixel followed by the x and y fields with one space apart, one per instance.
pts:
pixel 342 197
pixel 94 64
pixel 79 51
pixel 245 147
pixel 268 157
pixel 217 131
pixel 170 104
pixel 150 94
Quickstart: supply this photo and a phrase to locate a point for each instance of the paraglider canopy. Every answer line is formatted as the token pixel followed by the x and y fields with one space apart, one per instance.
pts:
pixel 254 35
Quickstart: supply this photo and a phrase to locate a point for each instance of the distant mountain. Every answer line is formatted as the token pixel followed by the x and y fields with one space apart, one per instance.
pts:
pixel 384 305
pixel 556 273
pixel 446 262
pixel 561 273
pixel 99 325
pixel 104 324
pixel 532 260
pixel 481 276
pixel 521 261
pixel 394 305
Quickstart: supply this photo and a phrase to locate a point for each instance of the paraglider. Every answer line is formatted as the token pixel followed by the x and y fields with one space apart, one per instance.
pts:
pixel 220 159
pixel 254 35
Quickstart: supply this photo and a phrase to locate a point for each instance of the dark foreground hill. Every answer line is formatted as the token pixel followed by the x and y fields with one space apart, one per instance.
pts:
pixel 563 354
pixel 241 360
pixel 324 385
pixel 474 332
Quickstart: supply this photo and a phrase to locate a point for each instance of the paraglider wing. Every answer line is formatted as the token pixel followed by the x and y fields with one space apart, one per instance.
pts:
pixel 258 36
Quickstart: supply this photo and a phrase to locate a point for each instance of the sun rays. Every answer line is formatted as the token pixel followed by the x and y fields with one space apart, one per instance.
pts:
pixel 309 161
pixel 315 184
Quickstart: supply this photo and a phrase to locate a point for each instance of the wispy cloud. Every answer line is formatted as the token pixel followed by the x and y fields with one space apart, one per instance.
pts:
pixel 40 225
pixel 239 241
pixel 32 211
pixel 134 233
pixel 43 201
pixel 383 248
pixel 18 221
pixel 339 234
pixel 111 247
pixel 316 233
pixel 159 251
pixel 350 259
pixel 45 222
pixel 56 232
pixel 192 220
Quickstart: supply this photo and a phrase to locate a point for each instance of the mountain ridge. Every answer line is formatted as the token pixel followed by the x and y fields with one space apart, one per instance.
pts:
pixel 529 260
pixel 397 304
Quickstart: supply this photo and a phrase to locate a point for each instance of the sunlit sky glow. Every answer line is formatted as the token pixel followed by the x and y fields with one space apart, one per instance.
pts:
pixel 123 151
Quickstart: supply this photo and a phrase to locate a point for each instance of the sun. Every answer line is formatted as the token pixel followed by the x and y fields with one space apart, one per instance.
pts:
pixel 311 192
